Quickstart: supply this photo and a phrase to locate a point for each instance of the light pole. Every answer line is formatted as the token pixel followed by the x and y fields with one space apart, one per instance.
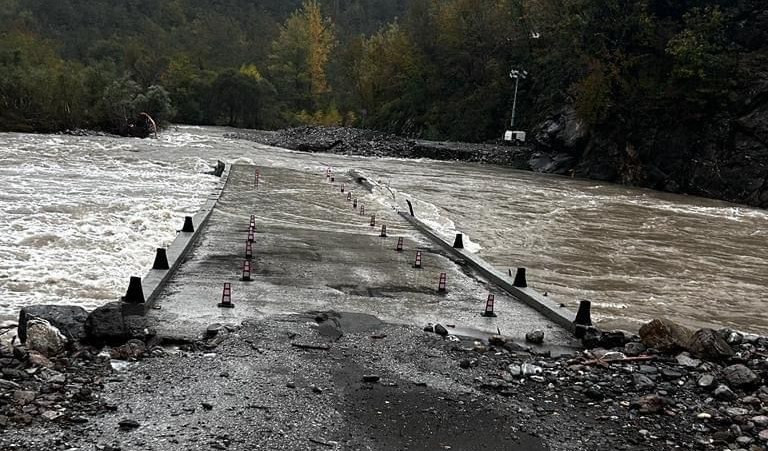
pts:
pixel 517 75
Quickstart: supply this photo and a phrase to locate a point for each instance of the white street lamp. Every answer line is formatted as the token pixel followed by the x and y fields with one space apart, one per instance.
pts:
pixel 517 75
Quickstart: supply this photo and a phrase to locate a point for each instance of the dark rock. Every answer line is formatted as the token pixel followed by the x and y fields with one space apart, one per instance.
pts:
pixel 634 348
pixel 594 392
pixel 497 340
pixel 128 424
pixel 440 330
pixel 536 337
pixel 106 325
pixel 35 358
pixel 723 437
pixel 665 335
pixel 14 374
pixel 69 319
pixel 706 381
pixel 650 404
pixel 671 374
pixel 731 337
pixel 511 346
pixel 24 397
pixel 136 327
pixel 429 328
pixel 9 385
pixel 591 338
pixel 371 378
pixel 465 363
pixel 207 405
pixel 724 393
pixel 563 130
pixel 218 170
pixel 685 360
pixel 736 411
pixel 740 376
pixel 642 382
pixel 708 344
pixel 133 349
pixel 20 352
pixel 614 339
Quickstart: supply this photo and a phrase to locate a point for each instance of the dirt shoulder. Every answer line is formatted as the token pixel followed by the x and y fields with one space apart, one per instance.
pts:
pixel 353 382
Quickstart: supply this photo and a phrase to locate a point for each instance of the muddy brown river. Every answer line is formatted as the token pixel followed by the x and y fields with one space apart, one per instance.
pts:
pixel 80 214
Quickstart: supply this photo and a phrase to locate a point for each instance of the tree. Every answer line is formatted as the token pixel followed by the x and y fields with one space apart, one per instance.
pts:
pixel 299 59
pixel 242 97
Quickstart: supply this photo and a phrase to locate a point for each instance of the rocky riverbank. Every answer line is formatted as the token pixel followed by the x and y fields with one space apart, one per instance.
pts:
pixel 348 381
pixel 562 145
pixel 370 143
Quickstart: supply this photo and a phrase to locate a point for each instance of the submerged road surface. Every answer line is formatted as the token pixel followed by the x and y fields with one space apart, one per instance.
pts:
pixel 313 251
pixel 74 236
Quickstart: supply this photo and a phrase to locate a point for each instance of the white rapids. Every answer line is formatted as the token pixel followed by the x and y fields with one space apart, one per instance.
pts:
pixel 79 215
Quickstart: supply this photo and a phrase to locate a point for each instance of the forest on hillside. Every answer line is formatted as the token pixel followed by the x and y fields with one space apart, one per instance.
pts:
pixel 425 68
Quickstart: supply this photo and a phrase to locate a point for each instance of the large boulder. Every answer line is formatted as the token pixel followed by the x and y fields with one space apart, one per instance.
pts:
pixel 44 337
pixel 564 130
pixel 665 335
pixel 106 324
pixel 740 376
pixel 69 319
pixel 709 344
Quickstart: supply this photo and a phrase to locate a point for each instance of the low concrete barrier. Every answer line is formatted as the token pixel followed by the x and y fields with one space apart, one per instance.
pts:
pixel 155 280
pixel 546 307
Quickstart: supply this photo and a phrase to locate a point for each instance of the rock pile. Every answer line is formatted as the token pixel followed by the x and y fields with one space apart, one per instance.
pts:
pixel 49 373
pixel 709 386
pixel 351 141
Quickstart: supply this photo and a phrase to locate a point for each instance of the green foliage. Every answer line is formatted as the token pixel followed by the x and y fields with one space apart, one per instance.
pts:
pixel 435 69
pixel 702 64
pixel 124 99
pixel 241 97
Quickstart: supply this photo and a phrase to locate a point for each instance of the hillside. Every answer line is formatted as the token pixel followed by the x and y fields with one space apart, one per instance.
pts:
pixel 667 94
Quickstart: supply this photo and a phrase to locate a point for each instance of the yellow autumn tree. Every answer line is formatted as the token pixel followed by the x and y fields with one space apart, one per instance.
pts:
pixel 321 41
pixel 300 57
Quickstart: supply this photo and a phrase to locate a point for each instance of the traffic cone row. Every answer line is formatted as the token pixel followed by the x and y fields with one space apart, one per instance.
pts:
pixel 418 262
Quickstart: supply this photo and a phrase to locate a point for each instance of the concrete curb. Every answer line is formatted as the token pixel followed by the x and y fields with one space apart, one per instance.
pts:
pixel 156 279
pixel 559 315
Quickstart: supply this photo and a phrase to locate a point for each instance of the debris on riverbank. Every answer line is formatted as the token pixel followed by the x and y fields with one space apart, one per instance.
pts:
pixel 383 386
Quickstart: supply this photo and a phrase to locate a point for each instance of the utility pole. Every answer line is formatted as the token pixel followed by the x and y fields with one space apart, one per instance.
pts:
pixel 517 75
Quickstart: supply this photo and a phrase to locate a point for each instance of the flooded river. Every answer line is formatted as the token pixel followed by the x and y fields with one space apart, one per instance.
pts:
pixel 82 214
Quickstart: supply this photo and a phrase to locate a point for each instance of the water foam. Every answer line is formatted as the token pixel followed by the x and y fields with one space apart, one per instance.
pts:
pixel 81 215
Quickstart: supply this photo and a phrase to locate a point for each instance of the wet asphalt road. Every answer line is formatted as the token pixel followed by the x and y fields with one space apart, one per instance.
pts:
pixel 314 251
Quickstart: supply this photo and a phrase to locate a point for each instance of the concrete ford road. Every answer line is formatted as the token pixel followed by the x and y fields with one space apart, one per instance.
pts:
pixel 313 251
pixel 290 380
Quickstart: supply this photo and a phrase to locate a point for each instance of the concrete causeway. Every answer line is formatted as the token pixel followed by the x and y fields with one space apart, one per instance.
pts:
pixel 313 251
